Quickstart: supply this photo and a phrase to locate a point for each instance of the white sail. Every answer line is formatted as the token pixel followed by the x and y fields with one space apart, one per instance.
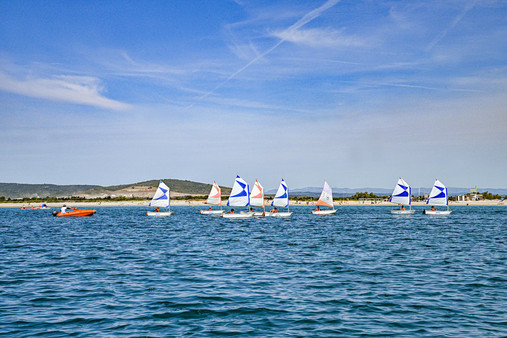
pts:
pixel 215 195
pixel 240 194
pixel 282 196
pixel 438 195
pixel 162 197
pixel 326 197
pixel 402 193
pixel 257 195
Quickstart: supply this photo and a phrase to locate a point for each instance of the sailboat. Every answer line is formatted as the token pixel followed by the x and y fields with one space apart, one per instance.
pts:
pixel 257 198
pixel 402 195
pixel 239 198
pixel 162 198
pixel 438 197
pixel 325 200
pixel 214 198
pixel 281 200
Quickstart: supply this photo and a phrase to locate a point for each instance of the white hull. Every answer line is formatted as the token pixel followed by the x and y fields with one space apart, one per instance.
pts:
pixel 254 213
pixel 324 212
pixel 402 212
pixel 280 214
pixel 436 212
pixel 238 216
pixel 211 212
pixel 159 214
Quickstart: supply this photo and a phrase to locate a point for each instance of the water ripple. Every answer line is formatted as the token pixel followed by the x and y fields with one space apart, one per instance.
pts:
pixel 361 272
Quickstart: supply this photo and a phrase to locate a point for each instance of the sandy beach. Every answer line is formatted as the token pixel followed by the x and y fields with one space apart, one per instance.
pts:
pixel 202 204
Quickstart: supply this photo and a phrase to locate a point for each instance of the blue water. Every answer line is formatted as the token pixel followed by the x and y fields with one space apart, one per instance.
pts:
pixel 359 272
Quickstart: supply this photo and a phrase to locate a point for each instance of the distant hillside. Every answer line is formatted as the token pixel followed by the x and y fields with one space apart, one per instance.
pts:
pixel 347 192
pixel 19 190
pixel 147 189
pixel 144 189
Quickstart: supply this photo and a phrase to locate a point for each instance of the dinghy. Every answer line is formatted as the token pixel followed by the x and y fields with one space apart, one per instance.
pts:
pixel 325 200
pixel 161 199
pixel 402 195
pixel 239 198
pixel 257 199
pixel 214 198
pixel 75 213
pixel 438 197
pixel 281 200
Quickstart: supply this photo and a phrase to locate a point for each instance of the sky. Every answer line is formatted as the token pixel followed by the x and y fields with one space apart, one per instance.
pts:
pixel 357 93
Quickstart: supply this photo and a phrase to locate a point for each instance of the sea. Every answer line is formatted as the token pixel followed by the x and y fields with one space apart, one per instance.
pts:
pixel 360 272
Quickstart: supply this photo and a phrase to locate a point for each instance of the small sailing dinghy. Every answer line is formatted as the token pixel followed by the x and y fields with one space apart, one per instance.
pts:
pixel 214 198
pixel 438 197
pixel 402 195
pixel 281 200
pixel 161 199
pixel 239 198
pixel 257 199
pixel 325 200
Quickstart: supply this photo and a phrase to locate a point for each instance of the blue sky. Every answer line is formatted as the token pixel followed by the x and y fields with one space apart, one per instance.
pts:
pixel 357 93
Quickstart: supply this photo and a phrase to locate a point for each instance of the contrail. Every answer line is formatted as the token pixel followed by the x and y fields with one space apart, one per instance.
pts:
pixel 300 23
pixel 452 25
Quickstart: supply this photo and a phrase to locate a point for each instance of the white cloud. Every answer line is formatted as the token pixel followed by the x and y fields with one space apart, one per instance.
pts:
pixel 73 89
pixel 318 37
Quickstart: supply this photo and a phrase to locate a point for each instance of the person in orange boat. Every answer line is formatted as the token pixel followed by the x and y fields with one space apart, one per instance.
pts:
pixel 63 210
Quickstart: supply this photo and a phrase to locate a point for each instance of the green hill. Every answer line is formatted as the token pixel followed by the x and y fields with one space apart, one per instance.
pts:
pixel 18 190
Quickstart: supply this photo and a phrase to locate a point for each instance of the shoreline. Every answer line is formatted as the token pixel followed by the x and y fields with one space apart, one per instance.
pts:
pixel 202 204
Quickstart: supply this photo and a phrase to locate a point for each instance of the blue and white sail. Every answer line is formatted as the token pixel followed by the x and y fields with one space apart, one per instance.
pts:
pixel 282 196
pixel 438 195
pixel 162 197
pixel 402 193
pixel 240 194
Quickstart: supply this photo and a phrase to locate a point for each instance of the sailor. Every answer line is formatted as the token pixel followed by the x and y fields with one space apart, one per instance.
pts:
pixel 232 211
pixel 432 208
pixel 157 210
pixel 274 210
pixel 318 208
pixel 63 210
pixel 402 207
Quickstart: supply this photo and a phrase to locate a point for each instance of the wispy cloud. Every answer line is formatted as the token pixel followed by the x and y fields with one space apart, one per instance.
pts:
pixel 301 22
pixel 319 37
pixel 73 89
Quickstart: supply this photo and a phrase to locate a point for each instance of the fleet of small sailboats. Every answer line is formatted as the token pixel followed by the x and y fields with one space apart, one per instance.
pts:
pixel 161 199
pixel 242 197
pixel 214 198
pixel 325 200
pixel 402 195
pixel 438 197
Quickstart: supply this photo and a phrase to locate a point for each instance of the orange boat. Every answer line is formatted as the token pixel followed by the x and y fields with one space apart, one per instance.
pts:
pixel 75 213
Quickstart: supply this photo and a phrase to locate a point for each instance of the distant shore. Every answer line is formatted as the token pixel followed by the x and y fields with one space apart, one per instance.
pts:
pixel 202 204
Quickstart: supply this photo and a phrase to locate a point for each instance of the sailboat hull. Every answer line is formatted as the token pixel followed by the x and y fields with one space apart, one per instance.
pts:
pixel 324 212
pixel 402 212
pixel 159 214
pixel 211 212
pixel 437 212
pixel 280 214
pixel 238 216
